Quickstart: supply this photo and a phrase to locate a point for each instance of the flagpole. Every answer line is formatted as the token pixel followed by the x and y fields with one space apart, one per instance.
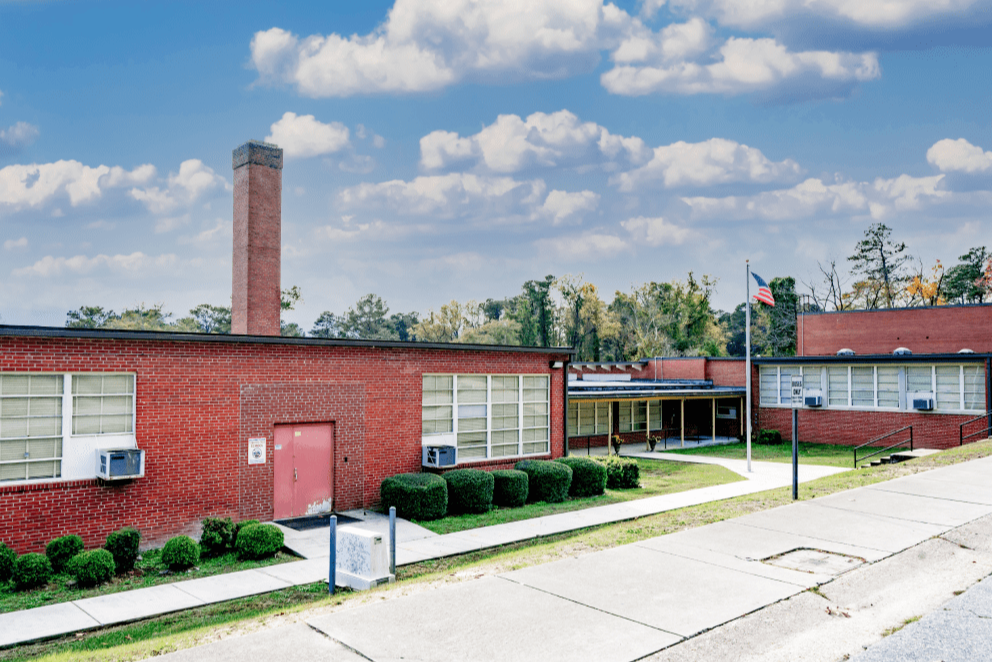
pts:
pixel 747 342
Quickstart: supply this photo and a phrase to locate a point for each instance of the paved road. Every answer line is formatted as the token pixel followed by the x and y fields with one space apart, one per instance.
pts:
pixel 735 590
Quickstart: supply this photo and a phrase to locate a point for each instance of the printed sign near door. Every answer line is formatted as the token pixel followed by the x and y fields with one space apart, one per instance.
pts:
pixel 256 451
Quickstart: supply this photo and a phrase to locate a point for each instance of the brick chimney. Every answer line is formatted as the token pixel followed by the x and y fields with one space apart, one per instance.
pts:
pixel 255 306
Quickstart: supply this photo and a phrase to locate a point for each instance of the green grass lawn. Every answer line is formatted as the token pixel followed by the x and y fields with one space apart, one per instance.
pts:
pixel 164 634
pixel 657 477
pixel 826 454
pixel 147 572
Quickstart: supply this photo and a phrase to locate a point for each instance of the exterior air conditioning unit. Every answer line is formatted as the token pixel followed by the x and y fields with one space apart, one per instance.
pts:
pixel 814 400
pixel 120 463
pixel 923 402
pixel 439 456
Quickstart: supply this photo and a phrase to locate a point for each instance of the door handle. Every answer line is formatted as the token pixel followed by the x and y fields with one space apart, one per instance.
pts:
pixel 295 477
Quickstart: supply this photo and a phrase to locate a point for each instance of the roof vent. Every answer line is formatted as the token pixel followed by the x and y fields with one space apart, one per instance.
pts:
pixel 847 351
pixel 966 351
pixel 902 351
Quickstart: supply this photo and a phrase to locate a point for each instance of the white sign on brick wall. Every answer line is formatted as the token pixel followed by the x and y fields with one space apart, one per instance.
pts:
pixel 256 451
pixel 797 390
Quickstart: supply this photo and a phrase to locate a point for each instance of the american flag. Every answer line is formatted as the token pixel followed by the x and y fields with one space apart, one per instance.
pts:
pixel 764 294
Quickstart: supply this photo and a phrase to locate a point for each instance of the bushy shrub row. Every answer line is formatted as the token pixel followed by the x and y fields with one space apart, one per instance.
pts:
pixel 510 488
pixel 588 477
pixel 548 481
pixel 622 473
pixel 91 568
pixel 415 496
pixel 258 541
pixel 768 437
pixel 469 491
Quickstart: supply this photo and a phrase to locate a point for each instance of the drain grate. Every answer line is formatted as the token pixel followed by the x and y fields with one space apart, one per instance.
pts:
pixel 815 561
pixel 314 521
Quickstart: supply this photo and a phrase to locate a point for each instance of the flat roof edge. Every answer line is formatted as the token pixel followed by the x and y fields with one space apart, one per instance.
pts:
pixel 873 358
pixel 114 334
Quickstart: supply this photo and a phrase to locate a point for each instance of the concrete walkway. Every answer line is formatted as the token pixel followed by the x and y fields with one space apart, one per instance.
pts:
pixel 656 596
pixel 414 544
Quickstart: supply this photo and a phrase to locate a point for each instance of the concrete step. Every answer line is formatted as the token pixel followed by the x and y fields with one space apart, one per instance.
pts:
pixel 902 456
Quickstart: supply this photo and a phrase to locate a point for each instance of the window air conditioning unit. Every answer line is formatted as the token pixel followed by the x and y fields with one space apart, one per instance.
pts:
pixel 923 402
pixel 814 400
pixel 439 456
pixel 120 463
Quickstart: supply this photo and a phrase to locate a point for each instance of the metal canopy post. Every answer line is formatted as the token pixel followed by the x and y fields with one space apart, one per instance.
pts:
pixel 714 419
pixel 683 422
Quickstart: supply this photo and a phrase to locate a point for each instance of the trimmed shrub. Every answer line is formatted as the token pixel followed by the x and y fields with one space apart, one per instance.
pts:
pixel 469 491
pixel 180 553
pixel 768 437
pixel 546 481
pixel 622 473
pixel 241 526
pixel 7 558
pixel 91 568
pixel 31 570
pixel 416 496
pixel 123 546
pixel 218 536
pixel 588 477
pixel 60 550
pixel 259 541
pixel 510 488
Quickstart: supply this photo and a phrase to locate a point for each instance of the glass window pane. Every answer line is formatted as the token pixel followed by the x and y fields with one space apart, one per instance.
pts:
pixel 862 386
pixel 602 417
pixel 15 385
pixel 811 377
pixel 974 387
pixel 837 386
pixel 768 385
pixel 14 407
pixel 948 387
pixel 918 379
pixel 540 447
pixel 87 384
pixel 888 386
pixel 471 411
pixel 538 382
pixel 13 449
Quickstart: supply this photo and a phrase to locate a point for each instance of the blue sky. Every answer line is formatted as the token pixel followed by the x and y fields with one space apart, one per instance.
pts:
pixel 452 150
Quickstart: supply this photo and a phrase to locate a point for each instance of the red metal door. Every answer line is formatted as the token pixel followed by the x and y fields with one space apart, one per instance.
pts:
pixel 303 469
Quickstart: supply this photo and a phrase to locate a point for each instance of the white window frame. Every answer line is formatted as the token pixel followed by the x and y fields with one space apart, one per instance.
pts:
pixel 451 438
pixel 78 459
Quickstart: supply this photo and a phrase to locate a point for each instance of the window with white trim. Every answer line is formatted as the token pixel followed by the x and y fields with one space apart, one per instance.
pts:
pixel 955 387
pixel 586 419
pixel 40 413
pixel 487 415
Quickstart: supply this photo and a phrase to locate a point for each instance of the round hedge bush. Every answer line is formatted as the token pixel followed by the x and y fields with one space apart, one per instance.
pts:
pixel 91 568
pixel 60 550
pixel 622 473
pixel 416 496
pixel 547 481
pixel 123 546
pixel 180 553
pixel 218 536
pixel 259 542
pixel 469 491
pixel 510 488
pixel 31 570
pixel 241 526
pixel 7 558
pixel 588 476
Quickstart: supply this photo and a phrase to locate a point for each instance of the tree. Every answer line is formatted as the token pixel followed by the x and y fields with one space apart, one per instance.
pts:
pixel 290 330
pixel 493 332
pixel 964 281
pixel 328 325
pixel 367 320
pixel 140 318
pixel 927 289
pixel 584 319
pixel 290 297
pixel 881 262
pixel 446 325
pixel 775 332
pixel 829 293
pixel 88 317
pixel 733 324
pixel 206 318
pixel 403 323
pixel 535 312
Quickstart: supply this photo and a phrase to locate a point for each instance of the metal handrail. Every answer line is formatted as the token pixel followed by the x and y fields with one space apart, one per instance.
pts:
pixel 962 436
pixel 887 448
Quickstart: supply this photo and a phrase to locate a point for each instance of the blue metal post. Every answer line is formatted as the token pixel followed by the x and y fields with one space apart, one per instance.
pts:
pixel 392 540
pixel 332 573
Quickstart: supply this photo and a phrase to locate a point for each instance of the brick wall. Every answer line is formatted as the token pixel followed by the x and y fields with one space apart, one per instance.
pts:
pixel 939 330
pixel 197 403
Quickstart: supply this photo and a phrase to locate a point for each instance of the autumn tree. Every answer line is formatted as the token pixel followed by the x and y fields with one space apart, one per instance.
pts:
pixel 881 264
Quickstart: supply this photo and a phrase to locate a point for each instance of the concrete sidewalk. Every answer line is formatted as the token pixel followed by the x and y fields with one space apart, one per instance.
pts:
pixel 658 596
pixel 414 544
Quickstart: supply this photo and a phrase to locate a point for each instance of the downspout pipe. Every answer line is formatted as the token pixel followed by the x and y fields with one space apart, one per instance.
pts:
pixel 988 391
pixel 564 377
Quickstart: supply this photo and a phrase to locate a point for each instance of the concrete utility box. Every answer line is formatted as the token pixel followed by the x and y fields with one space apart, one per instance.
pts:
pixel 362 559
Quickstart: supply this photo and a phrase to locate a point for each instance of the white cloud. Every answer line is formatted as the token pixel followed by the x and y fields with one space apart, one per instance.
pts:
pixel 560 205
pixel 221 228
pixel 170 223
pixel 589 246
pixel 101 225
pixel 1 97
pixel 425 46
pixel 378 141
pixel 359 163
pixel 741 65
pixel 302 136
pixel 135 264
pixel 193 180
pixel 884 14
pixel 814 198
pixel 715 161
pixel 445 195
pixel 20 135
pixel 11 244
pixel 512 144
pixel 959 156
pixel 658 232
pixel 36 184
